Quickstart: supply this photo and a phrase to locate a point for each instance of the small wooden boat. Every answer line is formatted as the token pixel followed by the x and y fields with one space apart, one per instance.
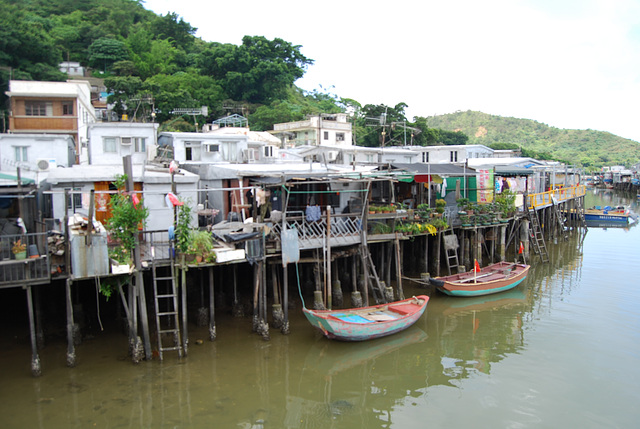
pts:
pixel 366 323
pixel 609 214
pixel 493 278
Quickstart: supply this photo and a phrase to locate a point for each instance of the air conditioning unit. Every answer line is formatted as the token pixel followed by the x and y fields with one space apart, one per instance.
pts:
pixel 249 155
pixel 45 164
pixel 152 152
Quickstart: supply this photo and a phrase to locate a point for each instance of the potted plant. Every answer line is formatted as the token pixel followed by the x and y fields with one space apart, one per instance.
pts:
pixel 440 205
pixel 19 249
pixel 462 204
pixel 506 203
pixel 200 244
pixel 424 211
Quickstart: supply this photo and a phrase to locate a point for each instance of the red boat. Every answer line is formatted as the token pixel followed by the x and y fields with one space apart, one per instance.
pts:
pixel 366 323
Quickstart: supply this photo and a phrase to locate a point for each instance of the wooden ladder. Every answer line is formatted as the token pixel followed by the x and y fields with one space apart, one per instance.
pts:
pixel 560 220
pixel 580 213
pixel 372 274
pixel 166 308
pixel 536 237
pixel 450 242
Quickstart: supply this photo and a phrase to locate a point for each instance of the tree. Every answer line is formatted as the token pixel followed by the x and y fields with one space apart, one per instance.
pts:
pixel 106 51
pixel 122 89
pixel 184 89
pixel 173 28
pixel 375 126
pixel 276 113
pixel 258 71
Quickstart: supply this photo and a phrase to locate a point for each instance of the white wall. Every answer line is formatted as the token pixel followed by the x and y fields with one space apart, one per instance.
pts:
pixel 121 132
pixel 50 147
pixel 229 147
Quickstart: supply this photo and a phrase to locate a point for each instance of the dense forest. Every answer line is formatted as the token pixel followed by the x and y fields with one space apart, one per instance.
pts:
pixel 153 63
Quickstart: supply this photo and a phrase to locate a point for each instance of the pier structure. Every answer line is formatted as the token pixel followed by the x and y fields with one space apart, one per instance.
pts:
pixel 339 242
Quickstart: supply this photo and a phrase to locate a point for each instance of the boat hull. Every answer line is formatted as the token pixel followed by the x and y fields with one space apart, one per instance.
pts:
pixel 492 279
pixel 361 324
pixel 609 217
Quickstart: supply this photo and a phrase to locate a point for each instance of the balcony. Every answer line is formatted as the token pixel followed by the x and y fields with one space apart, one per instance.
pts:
pixel 18 270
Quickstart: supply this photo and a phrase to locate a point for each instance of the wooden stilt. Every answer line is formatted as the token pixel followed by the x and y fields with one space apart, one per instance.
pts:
pixel 183 292
pixel 479 240
pixel 399 291
pixel 36 369
pixel 426 253
pixel 285 299
pixel 503 240
pixel 142 301
pixel 212 311
pixel 438 250
pixel 71 351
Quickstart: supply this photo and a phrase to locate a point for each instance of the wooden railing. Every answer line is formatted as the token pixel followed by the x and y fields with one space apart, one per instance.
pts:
pixel 32 269
pixel 559 195
pixel 345 230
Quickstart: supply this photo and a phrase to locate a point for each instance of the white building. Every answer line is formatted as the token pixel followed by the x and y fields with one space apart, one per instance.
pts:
pixel 325 129
pixel 456 154
pixel 151 182
pixel 110 141
pixel 35 154
pixel 51 108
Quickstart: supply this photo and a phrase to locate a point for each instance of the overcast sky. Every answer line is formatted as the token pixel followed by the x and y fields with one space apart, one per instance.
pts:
pixel 566 63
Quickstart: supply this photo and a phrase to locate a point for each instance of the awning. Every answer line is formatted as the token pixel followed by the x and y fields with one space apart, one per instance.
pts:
pixel 424 173
pixel 512 170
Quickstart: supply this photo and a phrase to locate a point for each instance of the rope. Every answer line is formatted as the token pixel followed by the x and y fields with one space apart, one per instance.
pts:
pixel 299 290
pixel 323 192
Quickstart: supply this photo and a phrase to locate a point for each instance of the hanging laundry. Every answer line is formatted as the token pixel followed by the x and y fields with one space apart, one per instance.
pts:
pixel 313 213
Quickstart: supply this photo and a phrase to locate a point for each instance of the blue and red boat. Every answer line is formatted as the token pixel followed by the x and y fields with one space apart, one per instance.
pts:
pixel 366 323
pixel 493 278
pixel 607 214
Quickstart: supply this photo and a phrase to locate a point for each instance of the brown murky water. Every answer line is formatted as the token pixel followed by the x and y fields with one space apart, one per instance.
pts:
pixel 561 350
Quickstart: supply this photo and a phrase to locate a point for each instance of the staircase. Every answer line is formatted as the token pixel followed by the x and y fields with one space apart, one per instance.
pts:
pixel 559 217
pixel 450 241
pixel 166 308
pixel 536 237
pixel 580 213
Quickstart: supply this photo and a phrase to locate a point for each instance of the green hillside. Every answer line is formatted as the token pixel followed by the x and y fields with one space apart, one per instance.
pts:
pixel 589 148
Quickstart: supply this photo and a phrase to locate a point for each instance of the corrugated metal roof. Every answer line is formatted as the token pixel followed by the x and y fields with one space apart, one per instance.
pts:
pixel 512 170
pixel 438 169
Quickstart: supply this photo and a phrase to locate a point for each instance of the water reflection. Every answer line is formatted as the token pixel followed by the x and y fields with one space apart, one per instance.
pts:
pixel 306 381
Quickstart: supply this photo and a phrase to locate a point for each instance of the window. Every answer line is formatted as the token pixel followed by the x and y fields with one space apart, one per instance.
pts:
pixel 213 148
pixel 125 141
pixel 268 151
pixel 339 137
pixel 425 156
pixel 21 153
pixel 75 202
pixel 369 158
pixel 140 144
pixel 67 107
pixel 109 145
pixel 230 151
pixel 326 135
pixel 192 150
pixel 38 108
pixel 453 156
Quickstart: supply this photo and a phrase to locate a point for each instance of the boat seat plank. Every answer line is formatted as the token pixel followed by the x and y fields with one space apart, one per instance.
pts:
pixel 351 318
pixel 381 316
pixel 405 308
